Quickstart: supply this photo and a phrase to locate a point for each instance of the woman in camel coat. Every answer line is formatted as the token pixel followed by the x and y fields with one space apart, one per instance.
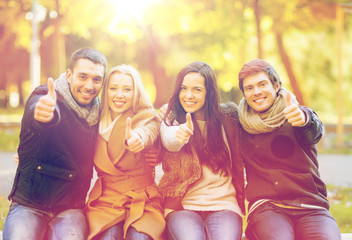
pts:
pixel 124 202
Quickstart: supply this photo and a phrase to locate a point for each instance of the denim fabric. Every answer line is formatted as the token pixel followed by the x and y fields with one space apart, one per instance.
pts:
pixel 191 225
pixel 28 223
pixel 116 233
pixel 271 222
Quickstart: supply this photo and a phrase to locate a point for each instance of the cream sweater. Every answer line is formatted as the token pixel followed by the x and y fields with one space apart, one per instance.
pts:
pixel 212 192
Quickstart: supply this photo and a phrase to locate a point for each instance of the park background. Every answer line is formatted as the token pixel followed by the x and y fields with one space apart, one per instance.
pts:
pixel 309 42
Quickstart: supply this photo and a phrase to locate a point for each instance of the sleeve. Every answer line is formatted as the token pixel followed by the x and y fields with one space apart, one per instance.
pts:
pixel 148 132
pixel 168 137
pixel 313 130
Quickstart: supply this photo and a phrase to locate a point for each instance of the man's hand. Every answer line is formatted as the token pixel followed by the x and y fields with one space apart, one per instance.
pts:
pixel 151 156
pixel 185 131
pixel 293 113
pixel 133 140
pixel 44 109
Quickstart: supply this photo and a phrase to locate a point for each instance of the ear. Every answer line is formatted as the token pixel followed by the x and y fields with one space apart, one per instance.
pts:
pixel 68 75
pixel 277 88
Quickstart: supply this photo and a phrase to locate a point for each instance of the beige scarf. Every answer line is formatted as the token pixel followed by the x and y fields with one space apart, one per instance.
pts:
pixel 268 121
pixel 89 112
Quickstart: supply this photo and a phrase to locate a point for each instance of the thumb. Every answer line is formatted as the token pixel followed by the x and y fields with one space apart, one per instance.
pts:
pixel 288 99
pixel 128 132
pixel 189 122
pixel 51 89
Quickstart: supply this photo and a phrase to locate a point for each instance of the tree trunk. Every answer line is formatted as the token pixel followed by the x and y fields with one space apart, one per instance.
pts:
pixel 161 80
pixel 288 66
pixel 259 32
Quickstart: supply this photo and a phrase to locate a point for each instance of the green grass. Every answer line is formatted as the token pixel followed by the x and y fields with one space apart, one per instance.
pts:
pixel 340 199
pixel 341 207
pixel 4 208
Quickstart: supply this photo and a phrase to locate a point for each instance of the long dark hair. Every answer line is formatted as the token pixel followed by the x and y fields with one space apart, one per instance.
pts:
pixel 212 150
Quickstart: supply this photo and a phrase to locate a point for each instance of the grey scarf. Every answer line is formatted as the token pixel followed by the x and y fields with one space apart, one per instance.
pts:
pixel 90 112
pixel 273 118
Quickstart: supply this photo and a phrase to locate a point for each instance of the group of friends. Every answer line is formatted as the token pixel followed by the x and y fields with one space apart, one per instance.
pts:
pixel 216 157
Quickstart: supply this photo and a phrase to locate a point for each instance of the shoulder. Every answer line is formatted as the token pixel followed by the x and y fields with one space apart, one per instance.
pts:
pixel 229 109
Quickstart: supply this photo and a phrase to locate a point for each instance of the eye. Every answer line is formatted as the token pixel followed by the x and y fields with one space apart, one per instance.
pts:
pixel 82 77
pixel 97 80
pixel 198 90
pixel 246 89
pixel 112 88
pixel 128 89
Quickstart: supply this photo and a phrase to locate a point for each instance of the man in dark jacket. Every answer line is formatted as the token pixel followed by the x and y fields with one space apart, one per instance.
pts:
pixel 58 132
pixel 287 198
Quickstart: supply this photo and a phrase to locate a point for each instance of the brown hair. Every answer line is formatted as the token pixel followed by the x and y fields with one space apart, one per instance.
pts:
pixel 256 66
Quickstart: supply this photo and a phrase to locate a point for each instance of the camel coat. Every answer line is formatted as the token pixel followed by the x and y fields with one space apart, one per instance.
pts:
pixel 125 189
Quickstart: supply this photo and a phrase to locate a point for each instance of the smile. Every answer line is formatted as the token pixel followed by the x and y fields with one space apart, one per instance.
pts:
pixel 259 100
pixel 119 103
pixel 190 103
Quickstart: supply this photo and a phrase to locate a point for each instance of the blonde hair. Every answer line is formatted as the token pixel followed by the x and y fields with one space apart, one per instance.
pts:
pixel 140 97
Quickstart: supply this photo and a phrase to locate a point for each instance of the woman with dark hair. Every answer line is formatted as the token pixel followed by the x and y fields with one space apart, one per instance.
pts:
pixel 203 181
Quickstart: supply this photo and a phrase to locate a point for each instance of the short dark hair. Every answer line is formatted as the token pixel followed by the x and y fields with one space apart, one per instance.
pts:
pixel 91 54
pixel 256 66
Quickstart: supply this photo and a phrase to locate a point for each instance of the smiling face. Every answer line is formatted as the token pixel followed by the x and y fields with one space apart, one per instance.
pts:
pixel 120 93
pixel 85 80
pixel 192 94
pixel 259 92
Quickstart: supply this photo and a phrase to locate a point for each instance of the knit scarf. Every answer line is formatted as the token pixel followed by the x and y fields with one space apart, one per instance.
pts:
pixel 268 121
pixel 89 112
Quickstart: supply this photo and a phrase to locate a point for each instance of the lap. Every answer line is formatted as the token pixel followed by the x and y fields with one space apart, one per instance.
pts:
pixel 29 223
pixel 187 224
pixel 272 222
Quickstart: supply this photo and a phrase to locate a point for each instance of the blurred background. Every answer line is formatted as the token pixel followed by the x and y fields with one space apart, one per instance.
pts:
pixel 309 42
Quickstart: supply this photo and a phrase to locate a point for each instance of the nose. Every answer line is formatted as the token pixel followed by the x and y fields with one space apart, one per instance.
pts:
pixel 119 93
pixel 189 94
pixel 89 85
pixel 257 90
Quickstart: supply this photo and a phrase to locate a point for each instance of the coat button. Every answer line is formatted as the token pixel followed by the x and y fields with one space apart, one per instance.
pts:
pixel 70 175
pixel 39 167
pixel 276 183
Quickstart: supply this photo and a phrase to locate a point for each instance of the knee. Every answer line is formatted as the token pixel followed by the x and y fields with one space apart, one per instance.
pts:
pixel 133 234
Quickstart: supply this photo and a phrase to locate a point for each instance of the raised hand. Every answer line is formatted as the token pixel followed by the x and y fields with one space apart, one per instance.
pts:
pixel 45 107
pixel 133 140
pixel 293 113
pixel 185 131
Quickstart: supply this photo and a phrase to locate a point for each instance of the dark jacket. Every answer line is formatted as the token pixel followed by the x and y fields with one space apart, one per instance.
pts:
pixel 282 165
pixel 55 160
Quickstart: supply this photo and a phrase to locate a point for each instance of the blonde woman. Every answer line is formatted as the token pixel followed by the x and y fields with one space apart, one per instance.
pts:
pixel 124 202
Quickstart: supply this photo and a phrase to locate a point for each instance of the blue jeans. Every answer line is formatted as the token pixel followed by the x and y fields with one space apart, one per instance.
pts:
pixel 271 222
pixel 29 223
pixel 116 233
pixel 191 225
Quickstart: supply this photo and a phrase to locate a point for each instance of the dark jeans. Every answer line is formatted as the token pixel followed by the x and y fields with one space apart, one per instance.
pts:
pixel 271 222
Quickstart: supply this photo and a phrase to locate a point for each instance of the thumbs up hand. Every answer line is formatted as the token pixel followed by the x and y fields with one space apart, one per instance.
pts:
pixel 293 113
pixel 44 109
pixel 133 141
pixel 185 131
